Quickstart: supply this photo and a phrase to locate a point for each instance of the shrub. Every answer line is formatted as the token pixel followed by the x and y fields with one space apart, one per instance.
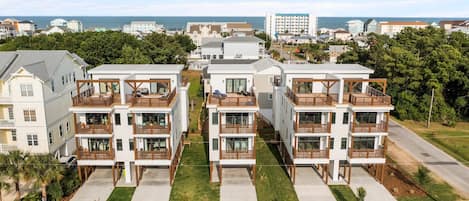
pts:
pixel 54 191
pixel 422 175
pixel 361 193
pixel 70 182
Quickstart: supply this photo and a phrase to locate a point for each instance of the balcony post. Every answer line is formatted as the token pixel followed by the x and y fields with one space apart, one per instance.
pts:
pixel 219 148
pixel 329 124
pixel 75 123
pixel 351 147
pixel 353 121
pixel 387 121
pixel 170 150
pixel 219 122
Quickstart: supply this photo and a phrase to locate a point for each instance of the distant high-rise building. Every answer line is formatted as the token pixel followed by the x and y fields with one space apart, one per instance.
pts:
pixel 292 23
pixel 59 22
pixel 75 26
pixel 371 26
pixel 355 27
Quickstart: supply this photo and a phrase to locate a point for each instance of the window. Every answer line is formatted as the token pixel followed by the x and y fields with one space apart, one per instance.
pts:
pixel 331 143
pixel 119 144
pixel 302 87
pixel 333 118
pixel 236 119
pixel 343 143
pixel 237 145
pixel 129 119
pixel 154 144
pixel 26 89
pixel 63 80
pixel 98 144
pixel 308 143
pixel 215 118
pixel 220 56
pixel 32 140
pixel 74 78
pixel 68 127
pixel 215 144
pixel 50 137
pixel 154 119
pixel 366 117
pixel 10 113
pixel 235 85
pixel 131 144
pixel 13 134
pixel 363 142
pixel 345 120
pixel 61 132
pixel 29 115
pixel 310 117
pixel 214 56
pixel 52 85
pixel 117 119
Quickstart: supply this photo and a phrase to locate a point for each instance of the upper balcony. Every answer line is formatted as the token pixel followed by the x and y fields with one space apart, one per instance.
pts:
pixel 97 93
pixel 369 96
pixel 150 93
pixel 95 149
pixel 237 155
pixel 151 123
pixel 238 123
pixel 311 154
pixel 93 123
pixel 303 92
pixel 367 150
pixel 370 122
pixel 153 155
pixel 233 99
pixel 366 153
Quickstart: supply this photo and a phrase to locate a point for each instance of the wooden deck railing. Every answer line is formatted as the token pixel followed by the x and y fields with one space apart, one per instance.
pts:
pixel 238 128
pixel 312 128
pixel 88 98
pixel 310 99
pixel 250 154
pixel 93 129
pixel 366 153
pixel 155 129
pixel 369 127
pixel 233 100
pixel 153 155
pixel 313 153
pixel 372 97
pixel 95 155
pixel 149 101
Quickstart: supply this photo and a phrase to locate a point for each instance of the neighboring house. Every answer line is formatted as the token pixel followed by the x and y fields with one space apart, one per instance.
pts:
pixel 238 28
pixel 59 22
pixel 212 48
pixel 26 28
pixel 329 116
pixel 55 29
pixel 131 116
pixel 371 26
pixel 342 35
pixel 36 92
pixel 294 23
pixel 7 31
pixel 75 26
pixel 233 47
pixel 392 28
pixel 355 27
pixel 335 51
pixel 141 28
pixel 454 26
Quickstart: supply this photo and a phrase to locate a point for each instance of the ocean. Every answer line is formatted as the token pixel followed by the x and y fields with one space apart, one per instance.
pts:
pixel 179 23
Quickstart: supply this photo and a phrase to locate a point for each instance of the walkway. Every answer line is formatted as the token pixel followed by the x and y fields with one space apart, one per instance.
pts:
pixel 374 190
pixel 442 164
pixel 154 185
pixel 309 186
pixel 98 187
pixel 237 185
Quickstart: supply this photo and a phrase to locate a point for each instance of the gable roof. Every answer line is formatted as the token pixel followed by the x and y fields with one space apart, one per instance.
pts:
pixel 265 63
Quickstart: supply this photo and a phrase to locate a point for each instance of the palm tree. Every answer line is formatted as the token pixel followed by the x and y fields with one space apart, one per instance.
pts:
pixel 13 166
pixel 44 170
pixel 361 193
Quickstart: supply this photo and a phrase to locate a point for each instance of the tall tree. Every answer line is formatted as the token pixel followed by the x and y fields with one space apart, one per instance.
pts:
pixel 132 56
pixel 13 166
pixel 45 169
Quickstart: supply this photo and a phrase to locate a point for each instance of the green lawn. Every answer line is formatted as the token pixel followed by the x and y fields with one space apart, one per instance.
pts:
pixel 122 194
pixel 272 182
pixel 192 180
pixel 343 193
pixel 195 95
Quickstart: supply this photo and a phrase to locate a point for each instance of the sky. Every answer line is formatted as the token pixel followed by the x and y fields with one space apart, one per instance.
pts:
pixel 323 8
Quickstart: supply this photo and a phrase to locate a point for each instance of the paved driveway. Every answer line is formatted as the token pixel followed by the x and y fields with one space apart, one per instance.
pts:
pixel 309 186
pixel 445 166
pixel 154 185
pixel 374 190
pixel 98 187
pixel 236 185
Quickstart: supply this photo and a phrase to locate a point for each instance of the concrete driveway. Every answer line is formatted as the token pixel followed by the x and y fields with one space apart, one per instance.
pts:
pixel 374 190
pixel 445 166
pixel 236 185
pixel 309 186
pixel 154 185
pixel 98 187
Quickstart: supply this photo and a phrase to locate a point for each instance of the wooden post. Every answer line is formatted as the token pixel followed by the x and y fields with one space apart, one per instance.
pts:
pixel 349 173
pixel 254 174
pixel 383 166
pixel 211 170
pixel 137 177
pixel 327 173
pixel 220 172
pixel 113 175
pixel 79 174
pixel 86 173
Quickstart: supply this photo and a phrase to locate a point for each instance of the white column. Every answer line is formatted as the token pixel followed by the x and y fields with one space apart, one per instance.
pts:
pixel 122 91
pixel 335 170
pixel 128 172
pixel 341 91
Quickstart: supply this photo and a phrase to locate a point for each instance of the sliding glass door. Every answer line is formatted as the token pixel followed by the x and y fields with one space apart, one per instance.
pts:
pixel 98 144
pixel 237 145
pixel 237 119
pixel 363 142
pixel 235 85
pixel 154 144
pixel 309 143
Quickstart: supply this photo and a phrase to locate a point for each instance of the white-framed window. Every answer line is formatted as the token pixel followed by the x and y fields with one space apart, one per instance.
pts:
pixel 10 113
pixel 61 131
pixel 32 140
pixel 13 135
pixel 29 115
pixel 26 89
pixel 52 85
pixel 50 137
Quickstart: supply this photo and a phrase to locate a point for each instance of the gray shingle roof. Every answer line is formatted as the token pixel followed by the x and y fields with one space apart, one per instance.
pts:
pixel 243 39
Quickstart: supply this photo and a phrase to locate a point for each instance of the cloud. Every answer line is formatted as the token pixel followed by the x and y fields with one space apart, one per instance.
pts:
pixel 391 8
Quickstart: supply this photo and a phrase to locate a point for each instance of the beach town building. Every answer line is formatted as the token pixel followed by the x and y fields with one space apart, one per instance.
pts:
pixel 394 27
pixel 55 29
pixel 355 27
pixel 293 23
pixel 130 117
pixel 36 89
pixel 342 35
pixel 59 22
pixel 371 26
pixel 455 25
pixel 141 28
pixel 233 47
pixel 7 31
pixel 26 28
pixel 331 117
pixel 75 26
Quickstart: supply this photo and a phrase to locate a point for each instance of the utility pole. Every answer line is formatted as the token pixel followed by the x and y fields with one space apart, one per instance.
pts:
pixel 431 107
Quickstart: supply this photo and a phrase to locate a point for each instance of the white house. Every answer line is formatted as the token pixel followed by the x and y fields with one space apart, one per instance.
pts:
pixel 36 90
pixel 26 28
pixel 293 23
pixel 355 27
pixel 55 29
pixel 75 26
pixel 234 47
pixel 142 27
pixel 331 117
pixel 392 28
pixel 131 116
pixel 59 22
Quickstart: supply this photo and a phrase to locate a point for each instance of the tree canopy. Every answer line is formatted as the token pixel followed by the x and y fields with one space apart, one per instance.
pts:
pixel 110 47
pixel 416 61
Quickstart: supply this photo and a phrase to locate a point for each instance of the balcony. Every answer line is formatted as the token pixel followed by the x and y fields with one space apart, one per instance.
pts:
pixel 238 128
pixel 312 127
pixel 237 155
pixel 89 99
pixel 366 153
pixel 82 128
pixel 152 129
pixel 371 97
pixel 139 100
pixel 233 100
pixel 369 127
pixel 311 99
pixel 95 155
pixel 311 154
pixel 153 155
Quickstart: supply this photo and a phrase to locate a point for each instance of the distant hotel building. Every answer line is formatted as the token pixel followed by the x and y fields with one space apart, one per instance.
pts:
pixel 392 28
pixel 142 27
pixel 355 27
pixel 292 23
pixel 60 25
